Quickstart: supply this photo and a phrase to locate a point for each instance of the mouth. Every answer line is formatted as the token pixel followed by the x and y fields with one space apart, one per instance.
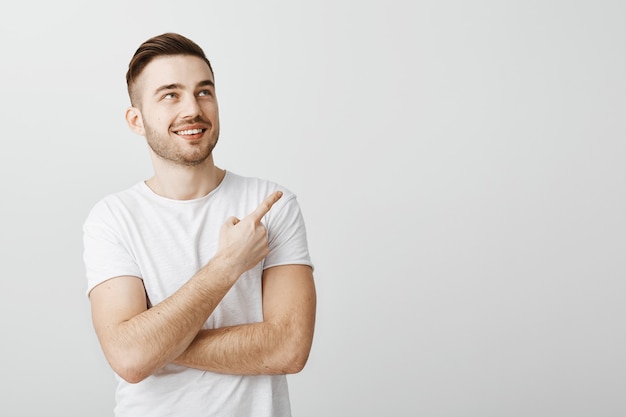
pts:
pixel 190 134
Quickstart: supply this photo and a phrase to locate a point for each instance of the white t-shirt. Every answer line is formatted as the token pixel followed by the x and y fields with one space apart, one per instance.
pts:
pixel 164 242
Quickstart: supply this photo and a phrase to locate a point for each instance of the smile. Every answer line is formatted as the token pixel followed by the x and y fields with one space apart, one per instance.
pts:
pixel 190 132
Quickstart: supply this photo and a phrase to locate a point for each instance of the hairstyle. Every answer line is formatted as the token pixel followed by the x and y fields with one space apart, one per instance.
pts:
pixel 166 44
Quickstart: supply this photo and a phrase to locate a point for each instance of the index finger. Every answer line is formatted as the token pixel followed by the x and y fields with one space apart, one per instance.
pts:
pixel 265 206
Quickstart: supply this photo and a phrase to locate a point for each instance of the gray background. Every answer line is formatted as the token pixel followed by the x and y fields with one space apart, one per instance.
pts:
pixel 460 165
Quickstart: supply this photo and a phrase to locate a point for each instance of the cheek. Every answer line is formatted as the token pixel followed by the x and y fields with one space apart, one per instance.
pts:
pixel 210 109
pixel 158 121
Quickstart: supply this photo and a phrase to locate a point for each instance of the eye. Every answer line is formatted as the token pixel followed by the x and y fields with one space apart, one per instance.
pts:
pixel 170 96
pixel 204 93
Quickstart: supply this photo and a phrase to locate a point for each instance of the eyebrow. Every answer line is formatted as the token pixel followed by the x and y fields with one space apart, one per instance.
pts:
pixel 206 83
pixel 176 86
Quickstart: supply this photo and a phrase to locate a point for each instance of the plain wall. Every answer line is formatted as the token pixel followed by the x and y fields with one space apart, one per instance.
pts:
pixel 460 165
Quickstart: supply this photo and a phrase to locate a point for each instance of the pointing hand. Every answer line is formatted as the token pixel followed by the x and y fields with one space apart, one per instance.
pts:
pixel 243 243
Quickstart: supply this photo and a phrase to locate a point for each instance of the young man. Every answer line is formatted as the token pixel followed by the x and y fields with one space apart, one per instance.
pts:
pixel 200 280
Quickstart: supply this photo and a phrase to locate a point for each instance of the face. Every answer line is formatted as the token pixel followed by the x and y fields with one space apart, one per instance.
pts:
pixel 177 109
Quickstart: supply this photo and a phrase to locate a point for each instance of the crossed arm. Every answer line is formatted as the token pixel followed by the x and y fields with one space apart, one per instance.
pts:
pixel 138 341
pixel 278 345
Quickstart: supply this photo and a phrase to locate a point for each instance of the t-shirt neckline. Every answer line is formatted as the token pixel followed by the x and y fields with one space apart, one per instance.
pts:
pixel 148 191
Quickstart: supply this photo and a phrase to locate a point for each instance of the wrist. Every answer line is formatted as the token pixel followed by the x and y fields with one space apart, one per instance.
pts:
pixel 224 268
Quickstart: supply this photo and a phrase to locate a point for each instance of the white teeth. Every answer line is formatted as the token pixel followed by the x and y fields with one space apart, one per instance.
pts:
pixel 190 132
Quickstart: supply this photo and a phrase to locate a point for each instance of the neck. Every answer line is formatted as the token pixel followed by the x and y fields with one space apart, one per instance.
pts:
pixel 178 182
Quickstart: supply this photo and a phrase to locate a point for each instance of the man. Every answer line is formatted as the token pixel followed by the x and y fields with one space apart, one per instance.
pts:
pixel 200 281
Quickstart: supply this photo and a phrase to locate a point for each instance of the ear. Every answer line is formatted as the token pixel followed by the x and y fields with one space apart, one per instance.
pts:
pixel 135 121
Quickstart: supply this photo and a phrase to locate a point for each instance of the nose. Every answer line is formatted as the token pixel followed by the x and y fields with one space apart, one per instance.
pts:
pixel 190 107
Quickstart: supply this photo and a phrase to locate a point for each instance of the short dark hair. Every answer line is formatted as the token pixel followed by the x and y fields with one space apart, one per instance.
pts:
pixel 166 44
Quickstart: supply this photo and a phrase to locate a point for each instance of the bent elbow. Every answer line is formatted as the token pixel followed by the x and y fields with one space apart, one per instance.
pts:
pixel 296 365
pixel 297 357
pixel 131 376
pixel 130 371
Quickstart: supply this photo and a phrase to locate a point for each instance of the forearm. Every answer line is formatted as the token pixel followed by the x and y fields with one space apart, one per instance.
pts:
pixel 278 345
pixel 250 349
pixel 146 342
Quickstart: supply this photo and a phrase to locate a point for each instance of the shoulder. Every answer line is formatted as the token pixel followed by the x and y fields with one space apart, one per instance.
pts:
pixel 250 191
pixel 117 203
pixel 254 187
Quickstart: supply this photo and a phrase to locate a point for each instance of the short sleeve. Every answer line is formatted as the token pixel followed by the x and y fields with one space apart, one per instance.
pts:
pixel 105 255
pixel 287 236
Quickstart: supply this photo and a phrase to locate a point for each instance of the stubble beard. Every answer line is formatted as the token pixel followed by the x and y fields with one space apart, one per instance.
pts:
pixel 165 148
